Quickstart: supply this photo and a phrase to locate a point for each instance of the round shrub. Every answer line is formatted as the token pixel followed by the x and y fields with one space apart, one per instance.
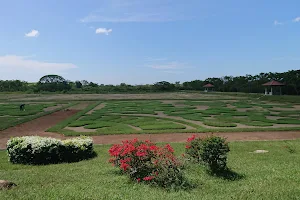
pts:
pixel 42 150
pixel 77 149
pixel 211 151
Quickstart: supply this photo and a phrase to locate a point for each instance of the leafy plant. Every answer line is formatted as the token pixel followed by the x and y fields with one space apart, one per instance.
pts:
pixel 212 151
pixel 40 150
pixel 143 161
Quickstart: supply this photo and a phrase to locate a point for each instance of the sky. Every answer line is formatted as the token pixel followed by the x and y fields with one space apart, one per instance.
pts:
pixel 146 41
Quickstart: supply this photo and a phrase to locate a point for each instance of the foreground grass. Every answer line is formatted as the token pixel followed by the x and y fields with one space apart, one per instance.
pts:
pixel 274 175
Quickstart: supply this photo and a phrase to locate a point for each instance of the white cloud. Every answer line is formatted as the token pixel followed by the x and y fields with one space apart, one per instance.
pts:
pixel 276 23
pixel 103 31
pixel 32 33
pixel 297 19
pixel 24 68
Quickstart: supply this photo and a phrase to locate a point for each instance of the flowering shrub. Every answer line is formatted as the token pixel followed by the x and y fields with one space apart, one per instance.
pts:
pixel 211 151
pixel 193 148
pixel 77 149
pixel 146 162
pixel 41 150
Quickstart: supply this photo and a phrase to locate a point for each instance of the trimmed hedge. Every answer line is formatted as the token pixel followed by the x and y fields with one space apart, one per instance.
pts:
pixel 42 150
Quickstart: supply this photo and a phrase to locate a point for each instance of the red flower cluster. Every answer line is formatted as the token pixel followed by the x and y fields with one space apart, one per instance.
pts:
pixel 142 160
pixel 193 137
pixel 189 140
pixel 148 178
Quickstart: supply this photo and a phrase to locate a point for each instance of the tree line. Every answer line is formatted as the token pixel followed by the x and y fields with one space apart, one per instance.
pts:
pixel 247 84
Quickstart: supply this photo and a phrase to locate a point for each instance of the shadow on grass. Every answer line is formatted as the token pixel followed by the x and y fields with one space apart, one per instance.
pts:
pixel 116 171
pixel 75 158
pixel 228 174
pixel 44 160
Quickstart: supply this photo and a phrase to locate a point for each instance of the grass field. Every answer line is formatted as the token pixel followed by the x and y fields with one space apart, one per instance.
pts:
pixel 159 112
pixel 169 116
pixel 10 114
pixel 273 175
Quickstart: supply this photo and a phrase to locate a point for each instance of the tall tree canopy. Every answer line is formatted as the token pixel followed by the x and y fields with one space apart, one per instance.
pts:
pixel 53 83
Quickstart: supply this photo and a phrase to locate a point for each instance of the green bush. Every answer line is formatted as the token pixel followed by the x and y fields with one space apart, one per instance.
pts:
pixel 211 151
pixel 41 150
pixel 77 149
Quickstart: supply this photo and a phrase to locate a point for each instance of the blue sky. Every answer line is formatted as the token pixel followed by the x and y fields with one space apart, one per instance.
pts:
pixel 145 41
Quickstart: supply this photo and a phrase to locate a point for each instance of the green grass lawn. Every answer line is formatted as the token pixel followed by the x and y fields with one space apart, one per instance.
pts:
pixel 273 175
pixel 10 114
pixel 120 117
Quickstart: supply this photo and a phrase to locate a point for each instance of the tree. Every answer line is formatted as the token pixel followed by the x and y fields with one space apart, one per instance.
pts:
pixel 164 86
pixel 78 84
pixel 91 84
pixel 53 83
pixel 52 79
pixel 193 85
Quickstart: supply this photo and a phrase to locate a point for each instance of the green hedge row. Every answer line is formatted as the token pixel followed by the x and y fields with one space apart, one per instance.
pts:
pixel 42 150
pixel 61 125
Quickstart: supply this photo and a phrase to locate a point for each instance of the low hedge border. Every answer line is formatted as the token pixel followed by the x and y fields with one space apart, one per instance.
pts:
pixel 61 125
pixel 37 150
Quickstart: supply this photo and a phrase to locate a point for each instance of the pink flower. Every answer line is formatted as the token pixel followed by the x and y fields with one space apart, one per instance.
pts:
pixel 153 148
pixel 170 149
pixel 191 138
pixel 141 153
pixel 124 166
pixel 148 178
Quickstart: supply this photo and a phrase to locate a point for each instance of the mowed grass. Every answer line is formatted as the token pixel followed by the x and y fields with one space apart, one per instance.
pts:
pixel 14 109
pixel 145 116
pixel 273 175
pixel 10 114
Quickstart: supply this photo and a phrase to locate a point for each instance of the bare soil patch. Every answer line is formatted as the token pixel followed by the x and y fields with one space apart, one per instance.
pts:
pixel 80 129
pixel 242 109
pixel 202 107
pixel 52 108
pixel 297 107
pixel 80 106
pixel 181 137
pixel 273 117
pixel 230 100
pixel 134 127
pixel 99 107
pixel 285 125
pixel 238 125
pixel 230 106
pixel 96 97
pixel 274 113
pixel 171 101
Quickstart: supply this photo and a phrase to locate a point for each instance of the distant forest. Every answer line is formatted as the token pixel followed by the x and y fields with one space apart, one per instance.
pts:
pixel 246 84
